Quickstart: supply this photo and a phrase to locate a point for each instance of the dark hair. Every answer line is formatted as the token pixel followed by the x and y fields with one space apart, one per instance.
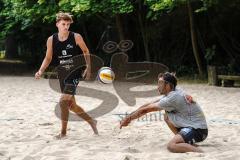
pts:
pixel 169 78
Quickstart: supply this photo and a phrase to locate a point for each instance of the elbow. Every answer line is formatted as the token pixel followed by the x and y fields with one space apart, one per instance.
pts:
pixel 143 111
pixel 86 51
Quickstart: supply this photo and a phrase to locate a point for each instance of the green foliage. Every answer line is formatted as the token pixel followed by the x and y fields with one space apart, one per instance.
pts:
pixel 19 15
pixel 207 4
pixel 32 21
pixel 157 7
pixel 75 6
pixel 28 13
pixel 111 7
pixel 160 5
pixel 28 20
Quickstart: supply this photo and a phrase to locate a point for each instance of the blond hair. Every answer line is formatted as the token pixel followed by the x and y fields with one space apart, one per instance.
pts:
pixel 64 16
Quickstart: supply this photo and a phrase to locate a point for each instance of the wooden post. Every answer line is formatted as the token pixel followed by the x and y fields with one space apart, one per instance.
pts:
pixel 212 75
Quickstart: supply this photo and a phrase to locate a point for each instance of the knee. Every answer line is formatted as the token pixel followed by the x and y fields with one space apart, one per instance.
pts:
pixel 65 97
pixel 171 147
pixel 66 102
pixel 72 106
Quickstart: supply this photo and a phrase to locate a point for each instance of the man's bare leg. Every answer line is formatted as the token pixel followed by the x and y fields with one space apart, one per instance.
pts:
pixel 81 113
pixel 172 127
pixel 64 105
pixel 177 145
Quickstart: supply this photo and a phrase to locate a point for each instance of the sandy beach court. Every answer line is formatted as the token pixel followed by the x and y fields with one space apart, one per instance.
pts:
pixel 28 124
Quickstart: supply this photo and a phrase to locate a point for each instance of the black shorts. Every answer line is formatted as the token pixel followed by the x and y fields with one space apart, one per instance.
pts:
pixel 191 135
pixel 69 80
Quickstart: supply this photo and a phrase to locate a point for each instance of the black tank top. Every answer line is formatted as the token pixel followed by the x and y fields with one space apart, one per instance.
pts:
pixel 64 51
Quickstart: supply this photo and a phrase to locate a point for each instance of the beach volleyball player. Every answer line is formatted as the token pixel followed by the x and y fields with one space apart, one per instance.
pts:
pixel 65 45
pixel 183 115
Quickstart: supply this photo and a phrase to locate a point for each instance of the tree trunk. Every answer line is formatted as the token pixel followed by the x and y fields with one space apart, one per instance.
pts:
pixel 212 75
pixel 119 27
pixel 145 41
pixel 194 39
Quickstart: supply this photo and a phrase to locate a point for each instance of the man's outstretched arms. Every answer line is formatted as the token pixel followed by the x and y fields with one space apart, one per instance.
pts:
pixel 151 107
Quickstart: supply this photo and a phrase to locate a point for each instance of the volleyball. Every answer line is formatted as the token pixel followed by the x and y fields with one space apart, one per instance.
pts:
pixel 106 75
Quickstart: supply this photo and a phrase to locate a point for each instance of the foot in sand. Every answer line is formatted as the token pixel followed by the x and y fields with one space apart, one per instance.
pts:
pixel 93 124
pixel 60 136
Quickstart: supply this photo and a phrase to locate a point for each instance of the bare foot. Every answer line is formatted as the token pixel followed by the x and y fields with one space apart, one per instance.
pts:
pixel 60 136
pixel 93 124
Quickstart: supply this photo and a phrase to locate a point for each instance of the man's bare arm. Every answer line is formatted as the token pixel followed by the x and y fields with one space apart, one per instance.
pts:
pixel 47 60
pixel 80 42
pixel 140 112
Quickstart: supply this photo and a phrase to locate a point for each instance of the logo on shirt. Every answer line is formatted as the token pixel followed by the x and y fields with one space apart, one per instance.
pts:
pixel 69 46
pixel 68 61
pixel 64 52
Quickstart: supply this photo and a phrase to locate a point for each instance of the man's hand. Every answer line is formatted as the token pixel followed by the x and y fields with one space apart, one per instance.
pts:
pixel 125 122
pixel 38 74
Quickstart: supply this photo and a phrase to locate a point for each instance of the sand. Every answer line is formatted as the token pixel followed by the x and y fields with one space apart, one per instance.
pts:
pixel 28 124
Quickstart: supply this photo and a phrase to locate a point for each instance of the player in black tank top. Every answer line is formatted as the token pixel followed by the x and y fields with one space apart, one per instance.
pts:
pixel 69 73
pixel 64 47
pixel 64 50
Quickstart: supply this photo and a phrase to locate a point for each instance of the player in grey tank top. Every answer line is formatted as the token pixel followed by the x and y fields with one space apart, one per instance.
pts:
pixel 183 115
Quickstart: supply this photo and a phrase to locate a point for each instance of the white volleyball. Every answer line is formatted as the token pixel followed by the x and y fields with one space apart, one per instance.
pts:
pixel 106 75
